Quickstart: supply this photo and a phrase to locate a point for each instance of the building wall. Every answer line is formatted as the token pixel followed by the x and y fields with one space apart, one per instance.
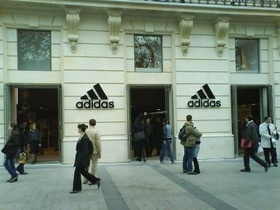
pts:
pixel 94 63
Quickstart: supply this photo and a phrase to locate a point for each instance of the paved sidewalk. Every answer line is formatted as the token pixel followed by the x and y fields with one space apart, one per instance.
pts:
pixel 145 186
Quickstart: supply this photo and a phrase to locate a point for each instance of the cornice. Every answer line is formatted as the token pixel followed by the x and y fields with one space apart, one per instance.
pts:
pixel 141 7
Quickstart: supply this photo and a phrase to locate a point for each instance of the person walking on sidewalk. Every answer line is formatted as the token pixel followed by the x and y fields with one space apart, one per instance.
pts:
pixel 251 133
pixel 94 137
pixel 268 143
pixel 82 161
pixel 166 142
pixel 10 150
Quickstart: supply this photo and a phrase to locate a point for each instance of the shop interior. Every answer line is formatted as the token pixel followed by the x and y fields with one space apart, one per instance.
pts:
pixel 40 105
pixel 148 102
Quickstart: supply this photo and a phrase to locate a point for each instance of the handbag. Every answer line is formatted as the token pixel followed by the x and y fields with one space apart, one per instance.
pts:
pixel 249 145
pixel 139 136
pixel 277 136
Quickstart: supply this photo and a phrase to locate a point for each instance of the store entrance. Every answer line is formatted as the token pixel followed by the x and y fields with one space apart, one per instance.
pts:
pixel 42 106
pixel 248 100
pixel 153 103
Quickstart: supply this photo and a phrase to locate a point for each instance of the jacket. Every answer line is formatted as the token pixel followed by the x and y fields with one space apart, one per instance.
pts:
pixel 94 137
pixel 11 147
pixel 34 135
pixel 82 158
pixel 192 133
pixel 167 132
pixel 265 137
pixel 251 132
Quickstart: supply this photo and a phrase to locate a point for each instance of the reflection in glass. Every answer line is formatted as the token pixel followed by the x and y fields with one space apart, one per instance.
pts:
pixel 34 50
pixel 247 54
pixel 148 52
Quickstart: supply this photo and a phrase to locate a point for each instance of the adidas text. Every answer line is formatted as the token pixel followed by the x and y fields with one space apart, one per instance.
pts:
pixel 204 103
pixel 95 104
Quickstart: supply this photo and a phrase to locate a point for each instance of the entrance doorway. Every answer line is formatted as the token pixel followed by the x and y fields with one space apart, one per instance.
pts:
pixel 248 100
pixel 42 106
pixel 153 103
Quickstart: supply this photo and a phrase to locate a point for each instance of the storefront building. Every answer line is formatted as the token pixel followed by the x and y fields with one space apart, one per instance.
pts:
pixel 62 63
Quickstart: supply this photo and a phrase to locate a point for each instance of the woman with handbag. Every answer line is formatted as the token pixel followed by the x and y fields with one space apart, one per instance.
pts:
pixel 82 161
pixel 251 133
pixel 10 150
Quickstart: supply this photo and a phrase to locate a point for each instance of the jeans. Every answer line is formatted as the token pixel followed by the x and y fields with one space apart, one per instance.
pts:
pixel 188 158
pixel 10 167
pixel 167 146
pixel 185 158
pixel 196 150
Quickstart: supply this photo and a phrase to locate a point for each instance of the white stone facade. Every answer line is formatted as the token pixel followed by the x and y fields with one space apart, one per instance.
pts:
pixel 102 51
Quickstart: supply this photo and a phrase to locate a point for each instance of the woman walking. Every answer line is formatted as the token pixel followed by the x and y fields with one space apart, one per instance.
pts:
pixel 10 150
pixel 82 161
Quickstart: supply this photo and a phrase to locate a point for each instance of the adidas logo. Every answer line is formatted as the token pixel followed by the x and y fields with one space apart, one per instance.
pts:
pixel 95 98
pixel 204 98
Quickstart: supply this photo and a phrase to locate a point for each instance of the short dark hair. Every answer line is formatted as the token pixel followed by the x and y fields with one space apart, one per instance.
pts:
pixel 165 121
pixel 189 117
pixel 13 126
pixel 250 117
pixel 266 118
pixel 83 127
pixel 92 122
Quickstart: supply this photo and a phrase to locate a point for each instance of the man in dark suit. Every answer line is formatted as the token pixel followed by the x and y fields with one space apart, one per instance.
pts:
pixel 251 133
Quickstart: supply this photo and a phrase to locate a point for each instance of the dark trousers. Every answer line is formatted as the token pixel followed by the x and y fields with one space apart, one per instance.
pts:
pixel 77 182
pixel 272 151
pixel 196 165
pixel 20 168
pixel 250 152
pixel 140 149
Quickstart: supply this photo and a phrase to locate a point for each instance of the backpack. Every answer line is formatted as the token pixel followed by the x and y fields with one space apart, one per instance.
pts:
pixel 90 147
pixel 182 134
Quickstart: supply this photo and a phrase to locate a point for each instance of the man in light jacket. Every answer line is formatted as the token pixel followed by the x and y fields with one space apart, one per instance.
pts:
pixel 94 137
pixel 268 131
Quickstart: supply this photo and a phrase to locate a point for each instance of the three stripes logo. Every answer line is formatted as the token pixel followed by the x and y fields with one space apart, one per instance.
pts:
pixel 95 98
pixel 204 98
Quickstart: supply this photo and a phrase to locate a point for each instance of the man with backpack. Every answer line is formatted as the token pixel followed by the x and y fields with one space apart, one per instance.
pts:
pixel 189 145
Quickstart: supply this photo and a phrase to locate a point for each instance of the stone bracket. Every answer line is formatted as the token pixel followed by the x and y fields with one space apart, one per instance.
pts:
pixel 278 35
pixel 114 22
pixel 185 26
pixel 221 29
pixel 73 20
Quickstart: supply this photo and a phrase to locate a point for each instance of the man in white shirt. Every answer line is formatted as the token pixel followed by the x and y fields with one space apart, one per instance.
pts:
pixel 94 137
pixel 267 131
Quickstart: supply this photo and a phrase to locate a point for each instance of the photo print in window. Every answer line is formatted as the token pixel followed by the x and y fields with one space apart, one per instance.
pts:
pixel 34 50
pixel 148 53
pixel 247 54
